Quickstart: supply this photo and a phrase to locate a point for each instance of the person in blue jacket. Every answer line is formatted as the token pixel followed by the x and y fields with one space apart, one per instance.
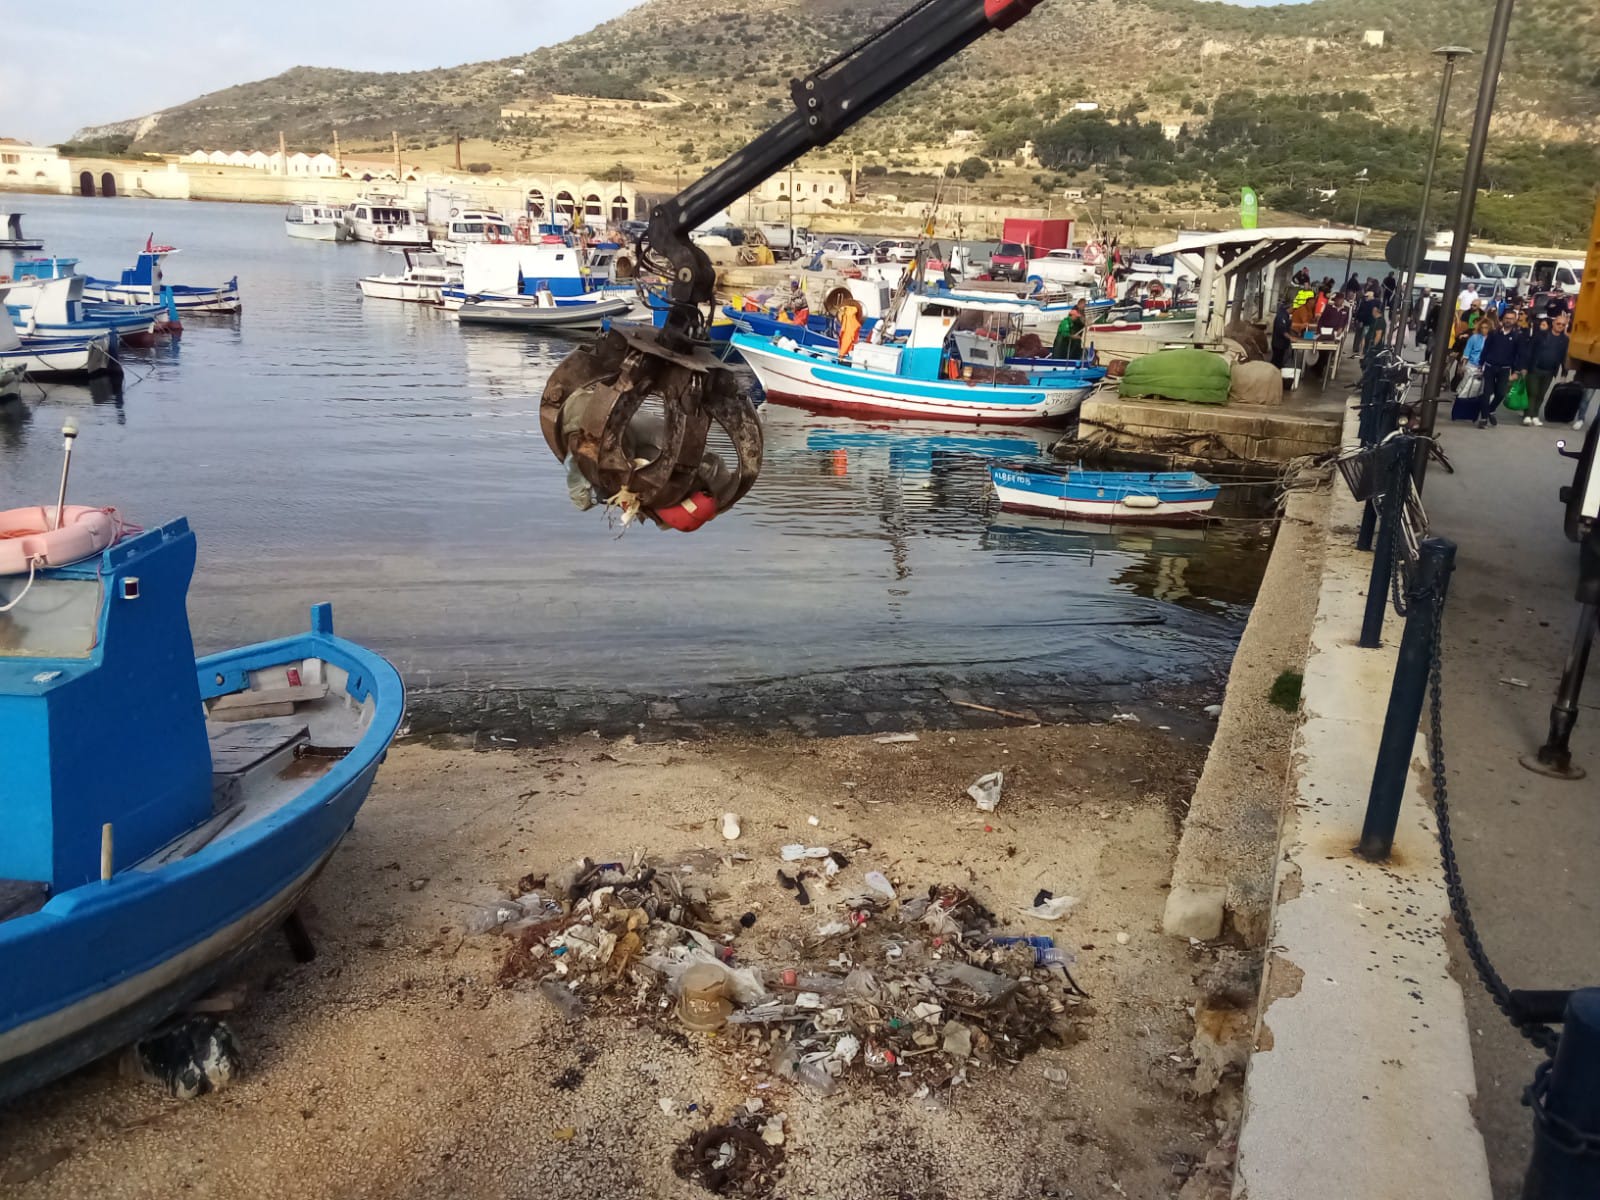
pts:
pixel 1503 358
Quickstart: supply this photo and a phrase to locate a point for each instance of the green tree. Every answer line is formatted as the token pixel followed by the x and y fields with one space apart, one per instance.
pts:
pixel 973 169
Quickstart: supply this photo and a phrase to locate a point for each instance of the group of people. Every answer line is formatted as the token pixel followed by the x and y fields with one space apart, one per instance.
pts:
pixel 1320 306
pixel 1494 344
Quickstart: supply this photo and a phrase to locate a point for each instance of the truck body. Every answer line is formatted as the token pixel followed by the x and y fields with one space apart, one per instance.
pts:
pixel 1026 238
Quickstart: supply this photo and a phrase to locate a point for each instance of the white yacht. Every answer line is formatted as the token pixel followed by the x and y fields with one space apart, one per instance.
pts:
pixel 385 221
pixel 316 222
pixel 422 282
pixel 475 227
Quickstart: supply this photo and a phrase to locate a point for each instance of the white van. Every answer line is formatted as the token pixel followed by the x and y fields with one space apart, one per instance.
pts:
pixel 1482 271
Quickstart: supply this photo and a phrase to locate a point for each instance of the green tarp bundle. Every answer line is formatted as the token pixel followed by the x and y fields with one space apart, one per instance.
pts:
pixel 1200 376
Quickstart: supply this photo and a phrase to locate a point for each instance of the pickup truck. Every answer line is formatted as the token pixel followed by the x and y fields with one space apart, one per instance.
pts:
pixel 1062 267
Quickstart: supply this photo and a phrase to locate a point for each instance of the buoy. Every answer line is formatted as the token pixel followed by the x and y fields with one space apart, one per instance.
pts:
pixel 1141 501
pixel 688 515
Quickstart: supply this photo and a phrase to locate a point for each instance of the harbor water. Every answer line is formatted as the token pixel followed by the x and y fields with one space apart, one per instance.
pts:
pixel 377 455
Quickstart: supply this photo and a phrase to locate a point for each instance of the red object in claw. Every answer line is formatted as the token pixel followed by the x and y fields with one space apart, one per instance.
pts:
pixel 1003 14
pixel 688 515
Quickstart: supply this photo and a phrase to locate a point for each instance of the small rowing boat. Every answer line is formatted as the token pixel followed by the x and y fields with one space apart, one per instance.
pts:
pixel 1150 496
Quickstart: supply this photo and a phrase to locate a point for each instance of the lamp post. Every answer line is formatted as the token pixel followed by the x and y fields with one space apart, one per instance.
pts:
pixel 1409 280
pixel 1492 54
pixel 1350 251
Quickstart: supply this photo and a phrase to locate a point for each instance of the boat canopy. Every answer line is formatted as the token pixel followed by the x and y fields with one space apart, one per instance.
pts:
pixel 1239 269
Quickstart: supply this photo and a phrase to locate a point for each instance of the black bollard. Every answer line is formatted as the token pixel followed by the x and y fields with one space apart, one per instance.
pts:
pixel 1369 430
pixel 1396 471
pixel 1565 1098
pixel 1554 758
pixel 1392 771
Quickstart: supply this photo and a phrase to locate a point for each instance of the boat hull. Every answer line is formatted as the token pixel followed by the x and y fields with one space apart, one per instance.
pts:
pixel 218 301
pixel 1057 495
pixel 64 361
pixel 403 290
pixel 318 231
pixel 409 238
pixel 100 965
pixel 533 316
pixel 812 384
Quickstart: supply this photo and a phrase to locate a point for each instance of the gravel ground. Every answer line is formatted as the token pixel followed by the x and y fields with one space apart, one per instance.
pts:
pixel 394 1065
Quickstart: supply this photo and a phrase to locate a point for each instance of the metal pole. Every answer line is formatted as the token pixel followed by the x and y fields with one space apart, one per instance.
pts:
pixel 1392 770
pixel 1566 1108
pixel 1395 472
pixel 1408 280
pixel 69 431
pixel 1554 758
pixel 1492 54
pixel 1350 250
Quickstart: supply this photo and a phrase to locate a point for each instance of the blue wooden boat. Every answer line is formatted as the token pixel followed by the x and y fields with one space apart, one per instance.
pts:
pixel 162 815
pixel 1150 496
pixel 143 283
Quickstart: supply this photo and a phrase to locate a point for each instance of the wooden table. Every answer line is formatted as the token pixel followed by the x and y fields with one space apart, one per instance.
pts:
pixel 1303 349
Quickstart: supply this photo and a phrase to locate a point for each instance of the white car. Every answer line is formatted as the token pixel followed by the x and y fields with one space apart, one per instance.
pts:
pixel 1063 268
pixel 844 252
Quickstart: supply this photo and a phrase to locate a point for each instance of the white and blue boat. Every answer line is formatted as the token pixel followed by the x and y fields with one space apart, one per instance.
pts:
pixel 27 273
pixel 556 274
pixel 945 361
pixel 57 358
pixel 162 814
pixel 1148 496
pixel 143 283
pixel 56 308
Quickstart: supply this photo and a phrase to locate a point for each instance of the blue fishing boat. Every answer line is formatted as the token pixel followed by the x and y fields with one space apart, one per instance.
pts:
pixel 945 361
pixel 57 358
pixel 64 313
pixel 162 814
pixel 1150 496
pixel 144 283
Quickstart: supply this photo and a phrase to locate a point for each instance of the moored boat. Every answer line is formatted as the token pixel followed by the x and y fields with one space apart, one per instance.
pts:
pixel 144 283
pixel 542 312
pixel 170 812
pixel 314 222
pixel 385 220
pixel 56 358
pixel 13 238
pixel 1149 496
pixel 921 373
pixel 55 308
pixel 424 280
pixel 474 227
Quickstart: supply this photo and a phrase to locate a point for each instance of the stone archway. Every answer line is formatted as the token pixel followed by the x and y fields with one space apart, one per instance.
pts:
pixel 86 183
pixel 108 184
pixel 621 210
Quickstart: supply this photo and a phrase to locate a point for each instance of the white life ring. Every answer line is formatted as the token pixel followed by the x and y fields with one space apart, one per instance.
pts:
pixel 27 541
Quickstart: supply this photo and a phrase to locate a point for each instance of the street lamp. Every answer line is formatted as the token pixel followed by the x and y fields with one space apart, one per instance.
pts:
pixel 1409 281
pixel 1350 250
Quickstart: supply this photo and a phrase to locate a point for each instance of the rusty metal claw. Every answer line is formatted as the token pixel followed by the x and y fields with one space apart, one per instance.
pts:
pixel 633 417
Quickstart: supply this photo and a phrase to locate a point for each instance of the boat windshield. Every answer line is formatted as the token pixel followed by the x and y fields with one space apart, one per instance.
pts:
pixel 53 618
pixel 392 216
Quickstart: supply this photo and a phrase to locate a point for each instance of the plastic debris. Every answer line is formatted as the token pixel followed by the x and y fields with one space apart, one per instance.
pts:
pixel 730 826
pixel 1213 710
pixel 1052 909
pixel 891 739
pixel 986 790
pixel 1057 1077
pixel 1126 718
pixel 772 1129
pixel 813 821
pixel 562 997
pixel 1123 939
pixel 957 1041
pixel 794 852
pixel 1514 682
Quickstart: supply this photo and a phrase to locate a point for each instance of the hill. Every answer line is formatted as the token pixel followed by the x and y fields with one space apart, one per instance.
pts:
pixel 722 69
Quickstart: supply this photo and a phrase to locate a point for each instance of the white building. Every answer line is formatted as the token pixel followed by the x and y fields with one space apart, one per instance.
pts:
pixel 29 166
pixel 1372 37
pixel 1086 106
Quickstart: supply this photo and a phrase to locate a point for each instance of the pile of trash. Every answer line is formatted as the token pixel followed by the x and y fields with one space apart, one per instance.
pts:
pixel 908 989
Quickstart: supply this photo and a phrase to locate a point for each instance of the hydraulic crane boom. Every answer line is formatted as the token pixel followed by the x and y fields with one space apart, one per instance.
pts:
pixel 655 461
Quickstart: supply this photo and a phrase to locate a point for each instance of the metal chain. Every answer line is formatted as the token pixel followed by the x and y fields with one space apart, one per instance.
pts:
pixel 1564 1133
pixel 1540 1035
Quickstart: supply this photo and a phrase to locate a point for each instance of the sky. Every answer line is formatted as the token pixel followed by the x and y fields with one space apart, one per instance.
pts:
pixel 71 63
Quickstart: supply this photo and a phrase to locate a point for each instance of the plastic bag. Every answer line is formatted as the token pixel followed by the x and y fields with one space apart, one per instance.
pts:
pixel 1517 397
pixel 1471 385
pixel 744 984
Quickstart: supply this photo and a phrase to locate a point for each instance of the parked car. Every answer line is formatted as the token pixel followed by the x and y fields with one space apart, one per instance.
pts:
pixel 1062 267
pixel 1009 261
pixel 898 250
pixel 837 251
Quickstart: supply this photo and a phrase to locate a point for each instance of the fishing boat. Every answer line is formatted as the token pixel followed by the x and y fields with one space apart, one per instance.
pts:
pixel 314 222
pixel 143 283
pixel 14 238
pixel 55 308
pixel 385 220
pixel 423 281
pixel 513 272
pixel 919 372
pixel 1149 496
pixel 543 313
pixel 127 893
pixel 57 358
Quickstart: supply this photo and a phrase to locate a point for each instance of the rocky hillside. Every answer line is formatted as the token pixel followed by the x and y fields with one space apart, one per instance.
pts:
pixel 729 60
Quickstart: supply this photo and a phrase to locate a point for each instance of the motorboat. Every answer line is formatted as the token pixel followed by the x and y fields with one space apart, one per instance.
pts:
pixel 385 220
pixel 314 222
pixel 144 283
pixel 944 361
pixel 424 280
pixel 543 312
pixel 13 237
pixel 164 814
pixel 1148 496
pixel 474 227
pixel 512 272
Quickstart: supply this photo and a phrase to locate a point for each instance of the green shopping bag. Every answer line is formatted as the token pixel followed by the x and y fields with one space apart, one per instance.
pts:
pixel 1517 397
